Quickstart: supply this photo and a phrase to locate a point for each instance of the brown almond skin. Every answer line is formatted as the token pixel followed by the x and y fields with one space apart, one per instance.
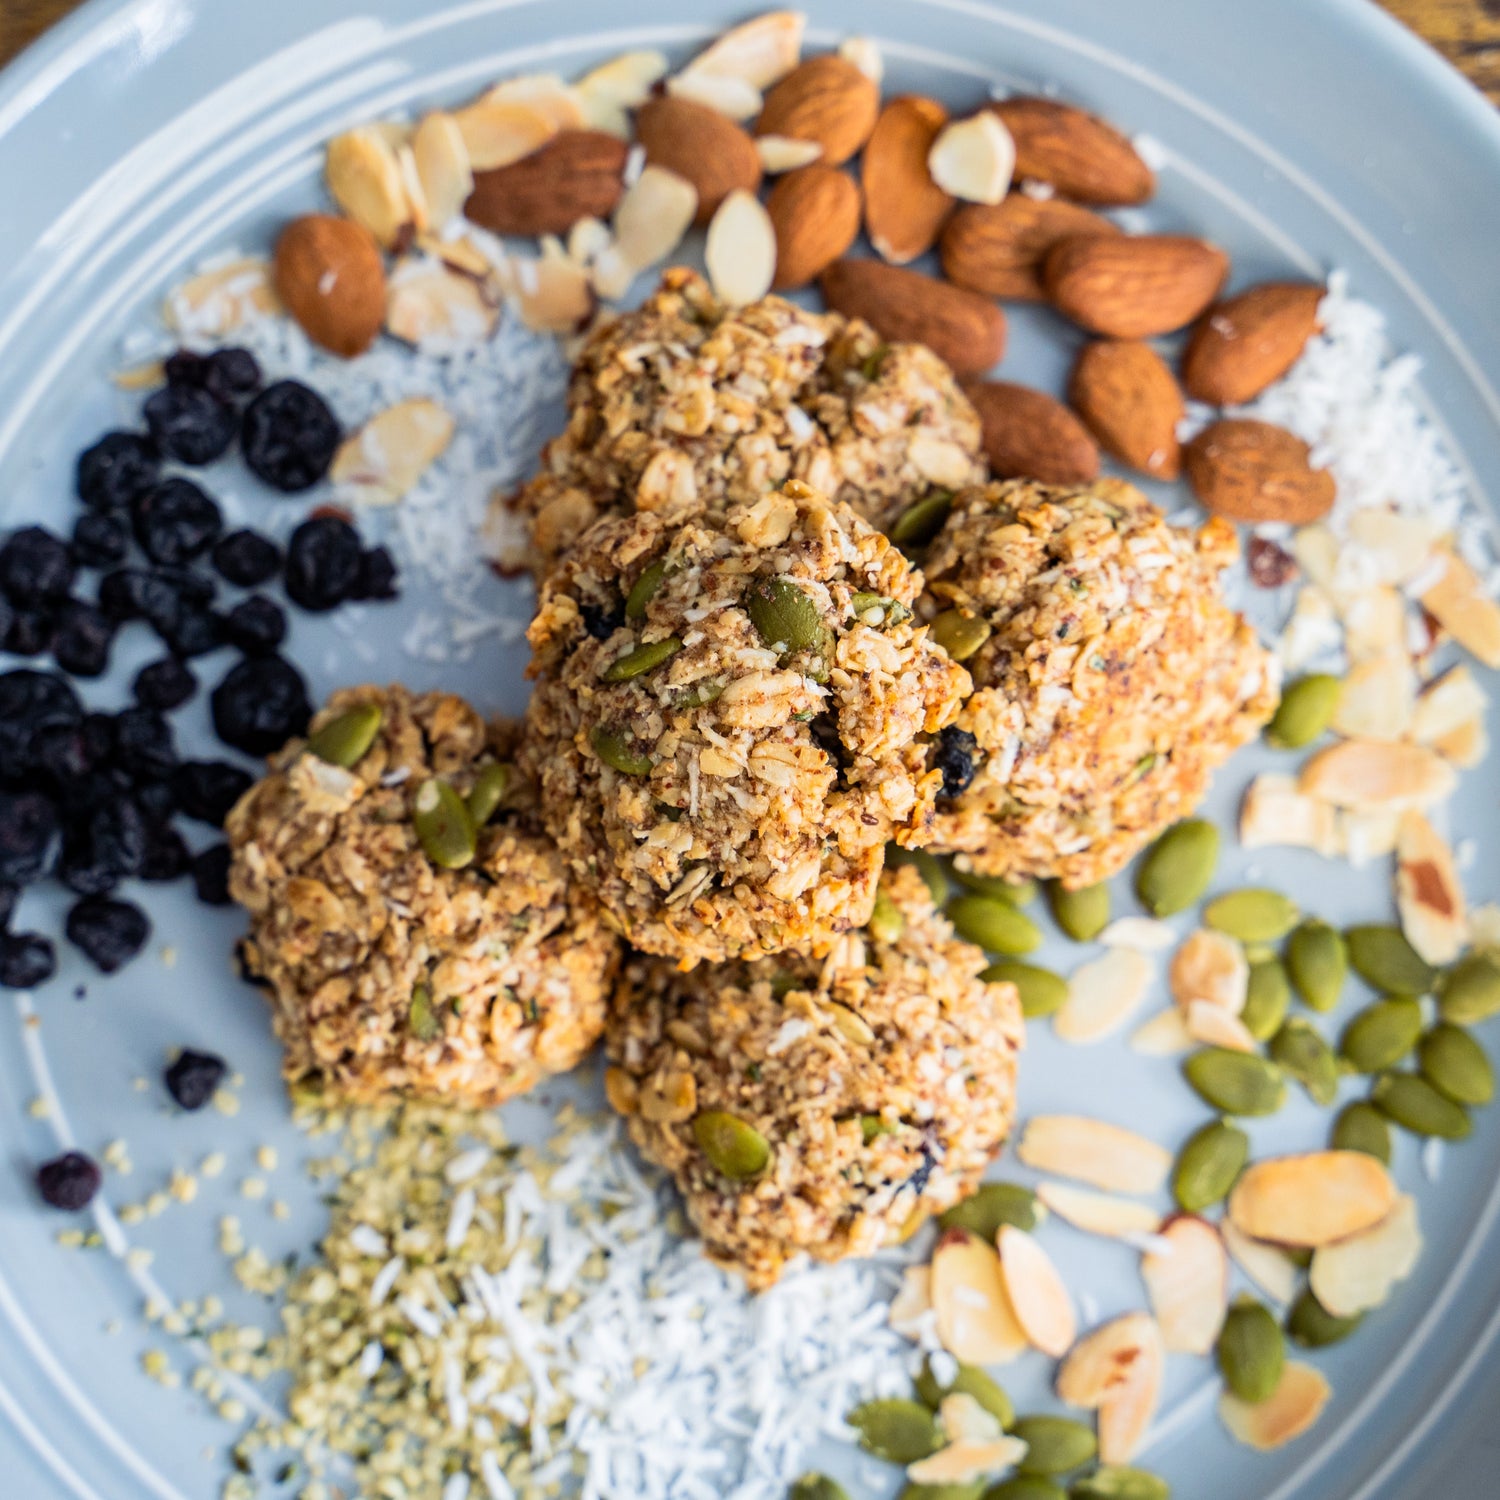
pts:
pixel 963 329
pixel 998 248
pixel 1133 286
pixel 1082 156
pixel 699 144
pixel 577 174
pixel 904 208
pixel 330 274
pixel 1129 399
pixel 1253 471
pixel 815 212
pixel 826 99
pixel 1028 435
pixel 1248 342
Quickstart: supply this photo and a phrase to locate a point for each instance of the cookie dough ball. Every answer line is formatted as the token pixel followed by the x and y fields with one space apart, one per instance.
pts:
pixel 825 1109
pixel 1110 678
pixel 391 971
pixel 730 722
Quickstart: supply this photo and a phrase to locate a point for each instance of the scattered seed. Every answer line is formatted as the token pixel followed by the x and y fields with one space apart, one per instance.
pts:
pixel 1082 914
pixel 1251 1351
pixel 995 926
pixel 1306 710
pixel 1042 992
pixel 1054 1445
pixel 443 825
pixel 967 1381
pixel 1291 1409
pixel 1208 1164
pixel 960 635
pixel 1415 1105
pixel 1310 1325
pixel 1252 915
pixel 1317 960
pixel 1238 1083
pixel 919 523
pixel 1362 1127
pixel 343 741
pixel 1117 1482
pixel 613 748
pixel 1470 991
pixel 644 658
pixel 734 1149
pixel 1268 994
pixel 898 1430
pixel 1300 1051
pixel 1177 868
pixel 643 590
pixel 488 792
pixel 817 1487
pixel 934 877
pixel 421 1020
pixel 878 611
pixel 993 1205
pixel 887 920
pixel 1012 892
pixel 1382 957
pixel 1381 1034
pixel 1456 1065
pixel 1017 1487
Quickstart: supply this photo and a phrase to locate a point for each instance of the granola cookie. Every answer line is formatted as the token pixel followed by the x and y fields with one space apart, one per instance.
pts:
pixel 1113 681
pixel 824 1109
pixel 388 973
pixel 729 724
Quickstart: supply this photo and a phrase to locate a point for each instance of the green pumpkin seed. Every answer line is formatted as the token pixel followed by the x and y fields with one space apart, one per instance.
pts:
pixel 1082 914
pixel 1317 960
pixel 969 1381
pixel 1299 1050
pixel 1268 994
pixel 783 616
pixel 1012 892
pixel 422 1020
pixel 1456 1065
pixel 996 926
pixel 344 740
pixel 1251 1351
pixel 488 792
pixel 1042 992
pixel 1024 1487
pixel 1415 1105
pixel 1177 868
pixel 614 749
pixel 897 1430
pixel 1470 991
pixel 1054 1445
pixel 1311 1325
pixel 973 1490
pixel 1362 1127
pixel 919 523
pixel 734 1149
pixel 1117 1482
pixel 1306 710
pixel 1208 1164
pixel 1382 957
pixel 960 635
pixel 1381 1034
pixel 1253 915
pixel 1237 1083
pixel 877 611
pixel 887 920
pixel 443 825
pixel 817 1487
pixel 643 590
pixel 645 658
pixel 934 877
pixel 993 1205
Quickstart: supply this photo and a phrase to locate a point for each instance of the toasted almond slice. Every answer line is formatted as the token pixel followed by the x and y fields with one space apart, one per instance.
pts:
pixel 964 1463
pixel 1287 1413
pixel 973 159
pixel 144 377
pixel 465 257
pixel 1396 544
pixel 1102 1361
pixel 417 213
pixel 651 218
pixel 1312 631
pixel 1358 1273
pixel 1368 836
pixel 497 133
pixel 443 168
pixel 1098 1213
pixel 1102 1155
pixel 1210 966
pixel 741 249
pixel 731 97
pixel 1274 812
pixel 1037 1294
pixel 557 102
pixel 1311 1199
pixel 1103 995
pixel 1374 775
pixel 784 153
pixel 553 294
pixel 1144 934
pixel 975 1321
pixel 1378 699
pixel 364 176
pixel 1188 1286
pixel 224 299
pixel 381 462
pixel 1164 1035
pixel 1446 704
pixel 865 55
pixel 1126 1412
pixel 435 308
pixel 1272 1270
pixel 1374 621
pixel 625 81
pixel 1429 896
pixel 1317 551
pixel 911 1307
pixel 1216 1027
pixel 1458 605
pixel 1464 747
pixel 760 51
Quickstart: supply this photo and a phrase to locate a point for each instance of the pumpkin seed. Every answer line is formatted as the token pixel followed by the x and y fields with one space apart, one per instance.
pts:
pixel 871 1127
pixel 817 1487
pixel 1082 914
pixel 1362 1127
pixel 994 1204
pixel 1042 992
pixel 443 825
pixel 1012 892
pixel 421 1020
pixel 1118 1482
pixel 1054 1445
pixel 972 1490
pixel 1470 991
pixel 960 635
pixel 1177 868
pixel 734 1149
pixel 887 920
pixel 934 877
pixel 1268 993
pixel 1206 1168
pixel 1310 1324
pixel 1317 960
pixel 1415 1105
pixel 1382 957
pixel 996 926
pixel 1456 1065
pixel 645 658
pixel 1238 1083
pixel 1253 915
pixel 1306 710
pixel 643 590
pixel 613 748
pixel 488 792
pixel 919 523
pixel 783 616
pixel 969 1381
pixel 896 1429
pixel 1251 1351
pixel 884 610
pixel 1299 1050
pixel 1024 1487
pixel 344 740
pixel 1381 1034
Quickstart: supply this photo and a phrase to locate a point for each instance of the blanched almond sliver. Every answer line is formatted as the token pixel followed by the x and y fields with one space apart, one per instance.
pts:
pixel 911 1307
pixel 1358 1273
pixel 1447 703
pixel 1210 966
pixel 865 55
pixel 1398 544
pixel 625 80
pixel 431 306
pixel 1272 1270
pixel 1126 1412
pixel 1103 995
pixel 1371 775
pixel 383 460
pixel 782 153
pixel 553 294
pixel 760 51
pixel 1312 630
pixel 973 159
pixel 1102 1155
pixel 1464 747
pixel 144 377
pixel 1312 1199
pixel 364 176
pixel 1287 1413
pixel 740 252
pixel 975 1321
pixel 733 98
pixel 1429 897
pixel 1189 1287
pixel 1457 604
pixel 1101 1361
pixel 495 134
pixel 1274 812
pixel 1098 1213
pixel 1378 699
pixel 650 220
pixel 1484 925
pixel 546 93
pixel 1144 934
pixel 1317 550
pixel 219 301
pixel 1164 1035
pixel 1368 836
pixel 587 240
pixel 1216 1027
pixel 965 1463
pixel 1374 621
pixel 1037 1295
pixel 443 167
pixel 416 195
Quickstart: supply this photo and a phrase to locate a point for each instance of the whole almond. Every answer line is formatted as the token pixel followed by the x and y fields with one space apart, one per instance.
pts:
pixel 330 275
pixel 1252 471
pixel 1028 435
pixel 701 146
pixel 1129 400
pixel 815 213
pixel 578 174
pixel 1133 286
pixel 1246 342
pixel 998 249
pixel 826 99
pixel 1078 153
pixel 904 306
pixel 904 207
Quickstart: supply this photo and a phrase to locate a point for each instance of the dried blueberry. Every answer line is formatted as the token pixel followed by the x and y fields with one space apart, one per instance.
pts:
pixel 190 425
pixel 27 959
pixel 111 933
pixel 29 632
pixel 9 896
pixel 81 639
pixel 36 568
pixel 29 703
pixel 28 832
pixel 144 744
pixel 157 801
pixel 184 367
pixel 247 558
pixel 260 705
pixel 233 375
pixel 194 1078
pixel 62 754
pixel 377 575
pixel 289 436
pixel 256 625
pixel 175 522
pixel 600 620
pixel 211 875
pixel 193 632
pixel 117 469
pixel 100 539
pixel 207 789
pixel 166 856
pixel 164 684
pixel 957 758
pixel 104 839
pixel 157 595
pixel 69 1181
pixel 322 563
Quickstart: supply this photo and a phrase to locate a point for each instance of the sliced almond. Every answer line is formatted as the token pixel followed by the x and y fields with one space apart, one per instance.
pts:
pixel 1101 1361
pixel 1455 601
pixel 433 307
pixel 973 159
pixel 1272 1270
pixel 1287 1413
pixel 144 377
pixel 1216 1027
pixel 1102 1155
pixel 1038 1297
pixel 650 221
pixel 781 153
pixel 1367 836
pixel 1103 995
pixel 740 252
pixel 864 53
pixel 1379 698
pixel 497 132
pixel 1377 775
pixel 1358 1273
pixel 442 162
pixel 1144 934
pixel 222 300
pixel 975 1321
pixel 1127 1411
pixel 381 462
pixel 964 1420
pixel 587 240
pixel 1098 1213
pixel 911 1307
pixel 624 82
pixel 1429 895
pixel 1484 925
pixel 760 51
pixel 965 1463
pixel 1448 703
pixel 364 176
pixel 1465 746
pixel 1312 631
pixel 1395 543
pixel 553 294
pixel 1187 1283
pixel 1311 1199
pixel 1374 621
pixel 1317 551
pixel 1210 966
pixel 1164 1035
pixel 1274 812
pixel 731 97
pixel 557 102
pixel 418 214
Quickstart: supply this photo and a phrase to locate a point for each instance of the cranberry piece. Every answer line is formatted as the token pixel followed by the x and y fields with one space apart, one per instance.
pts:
pixel 1270 565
